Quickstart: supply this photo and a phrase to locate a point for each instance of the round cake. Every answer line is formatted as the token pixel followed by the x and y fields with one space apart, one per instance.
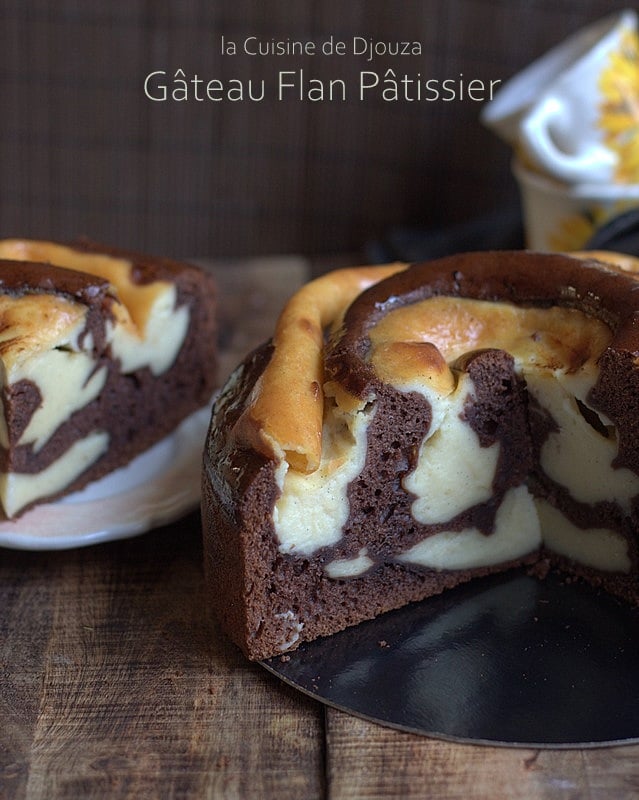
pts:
pixel 410 428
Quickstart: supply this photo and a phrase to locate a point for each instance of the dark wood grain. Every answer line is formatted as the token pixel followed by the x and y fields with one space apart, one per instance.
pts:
pixel 117 685
pixel 365 760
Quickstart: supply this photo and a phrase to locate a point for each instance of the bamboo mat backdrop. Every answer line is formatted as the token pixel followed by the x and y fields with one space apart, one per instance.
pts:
pixel 84 152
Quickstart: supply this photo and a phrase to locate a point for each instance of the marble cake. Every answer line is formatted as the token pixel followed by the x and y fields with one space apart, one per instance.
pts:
pixel 409 429
pixel 103 353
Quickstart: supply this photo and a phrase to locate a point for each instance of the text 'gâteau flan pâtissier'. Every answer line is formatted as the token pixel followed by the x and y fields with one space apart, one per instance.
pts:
pixel 410 428
pixel 103 353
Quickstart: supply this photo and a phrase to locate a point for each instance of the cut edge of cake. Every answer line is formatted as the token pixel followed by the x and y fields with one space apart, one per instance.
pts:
pixel 275 583
pixel 103 352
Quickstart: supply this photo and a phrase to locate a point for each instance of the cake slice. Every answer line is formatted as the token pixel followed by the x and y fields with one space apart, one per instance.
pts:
pixel 103 353
pixel 408 429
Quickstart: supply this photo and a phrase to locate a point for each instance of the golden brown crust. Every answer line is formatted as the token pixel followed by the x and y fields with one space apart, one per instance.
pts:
pixel 137 298
pixel 285 412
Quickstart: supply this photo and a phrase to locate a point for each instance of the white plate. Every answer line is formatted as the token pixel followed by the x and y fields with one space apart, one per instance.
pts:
pixel 157 487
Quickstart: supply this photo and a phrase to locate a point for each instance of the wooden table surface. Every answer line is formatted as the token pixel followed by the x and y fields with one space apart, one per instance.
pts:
pixel 115 684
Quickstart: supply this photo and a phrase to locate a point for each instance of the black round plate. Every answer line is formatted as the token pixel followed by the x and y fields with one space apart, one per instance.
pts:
pixel 507 660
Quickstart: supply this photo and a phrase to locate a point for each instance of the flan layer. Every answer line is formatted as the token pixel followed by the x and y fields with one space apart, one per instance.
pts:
pixel 95 349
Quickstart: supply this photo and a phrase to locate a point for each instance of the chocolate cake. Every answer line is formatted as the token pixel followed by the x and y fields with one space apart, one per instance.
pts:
pixel 410 428
pixel 104 352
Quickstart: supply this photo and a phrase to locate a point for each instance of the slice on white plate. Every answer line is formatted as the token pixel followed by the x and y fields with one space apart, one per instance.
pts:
pixel 157 487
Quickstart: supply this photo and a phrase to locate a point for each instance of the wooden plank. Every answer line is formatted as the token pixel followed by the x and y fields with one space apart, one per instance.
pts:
pixel 368 760
pixel 141 697
pixel 25 600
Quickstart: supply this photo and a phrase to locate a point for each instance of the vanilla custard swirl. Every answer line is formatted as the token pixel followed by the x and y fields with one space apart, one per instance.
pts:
pixel 285 413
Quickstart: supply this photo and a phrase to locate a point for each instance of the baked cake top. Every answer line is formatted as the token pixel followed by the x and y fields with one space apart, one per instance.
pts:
pixel 53 296
pixel 377 313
